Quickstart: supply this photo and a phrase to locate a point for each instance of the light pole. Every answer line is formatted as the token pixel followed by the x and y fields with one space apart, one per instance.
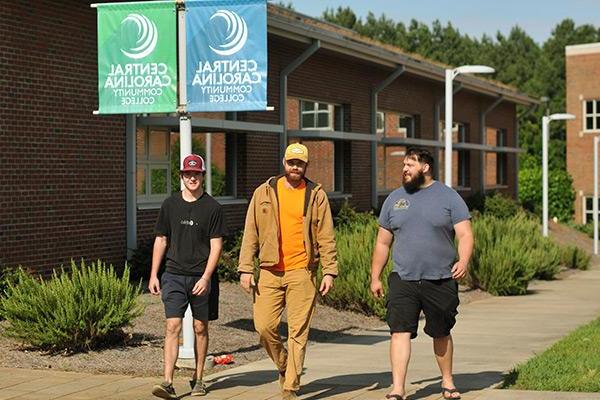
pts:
pixel 545 134
pixel 595 205
pixel 450 75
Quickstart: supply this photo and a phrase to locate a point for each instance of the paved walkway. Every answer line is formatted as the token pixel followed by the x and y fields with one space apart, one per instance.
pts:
pixel 491 336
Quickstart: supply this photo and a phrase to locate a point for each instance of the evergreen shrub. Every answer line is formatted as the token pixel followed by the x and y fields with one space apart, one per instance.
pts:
pixel 75 310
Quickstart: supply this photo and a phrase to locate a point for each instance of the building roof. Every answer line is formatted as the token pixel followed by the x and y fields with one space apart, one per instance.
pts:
pixel 296 26
pixel 581 49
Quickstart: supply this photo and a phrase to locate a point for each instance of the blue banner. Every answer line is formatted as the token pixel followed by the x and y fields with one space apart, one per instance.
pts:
pixel 226 55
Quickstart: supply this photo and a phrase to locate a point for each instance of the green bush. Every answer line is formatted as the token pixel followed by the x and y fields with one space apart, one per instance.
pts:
pixel 76 310
pixel 509 253
pixel 574 257
pixel 230 257
pixel 501 206
pixel 355 240
pixel 561 194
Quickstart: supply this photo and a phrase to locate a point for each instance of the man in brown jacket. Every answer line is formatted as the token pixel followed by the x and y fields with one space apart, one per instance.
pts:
pixel 289 225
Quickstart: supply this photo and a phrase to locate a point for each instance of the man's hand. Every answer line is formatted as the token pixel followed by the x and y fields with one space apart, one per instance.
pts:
pixel 377 288
pixel 154 285
pixel 326 285
pixel 201 287
pixel 459 270
pixel 247 281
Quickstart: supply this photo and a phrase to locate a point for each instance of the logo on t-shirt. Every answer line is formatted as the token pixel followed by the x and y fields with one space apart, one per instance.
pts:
pixel 402 204
pixel 186 222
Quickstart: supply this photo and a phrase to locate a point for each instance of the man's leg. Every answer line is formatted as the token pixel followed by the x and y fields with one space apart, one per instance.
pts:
pixel 201 346
pixel 300 295
pixel 399 358
pixel 269 301
pixel 172 330
pixel 443 348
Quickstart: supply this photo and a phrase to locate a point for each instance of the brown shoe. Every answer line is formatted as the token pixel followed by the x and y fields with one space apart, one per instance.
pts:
pixel 288 395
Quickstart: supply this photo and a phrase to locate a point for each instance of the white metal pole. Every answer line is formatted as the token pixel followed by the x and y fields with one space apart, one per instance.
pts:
pixel 595 205
pixel 209 163
pixel 186 350
pixel 448 130
pixel 545 122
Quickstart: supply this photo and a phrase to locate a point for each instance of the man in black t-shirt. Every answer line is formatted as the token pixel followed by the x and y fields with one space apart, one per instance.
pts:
pixel 189 230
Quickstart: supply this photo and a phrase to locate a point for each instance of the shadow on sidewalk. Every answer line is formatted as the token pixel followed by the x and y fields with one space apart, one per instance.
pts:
pixel 317 335
pixel 254 378
pixel 464 382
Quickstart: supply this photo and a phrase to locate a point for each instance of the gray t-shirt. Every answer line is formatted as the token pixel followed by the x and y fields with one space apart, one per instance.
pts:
pixel 423 226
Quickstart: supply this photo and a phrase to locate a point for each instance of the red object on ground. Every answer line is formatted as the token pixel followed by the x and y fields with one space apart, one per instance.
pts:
pixel 224 359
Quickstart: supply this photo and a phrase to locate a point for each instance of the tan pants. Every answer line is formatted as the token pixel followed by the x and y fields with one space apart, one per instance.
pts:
pixel 295 289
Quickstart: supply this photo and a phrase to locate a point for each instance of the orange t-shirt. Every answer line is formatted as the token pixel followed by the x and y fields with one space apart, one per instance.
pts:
pixel 292 254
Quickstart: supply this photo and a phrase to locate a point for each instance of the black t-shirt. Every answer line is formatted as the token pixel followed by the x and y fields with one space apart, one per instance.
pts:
pixel 189 226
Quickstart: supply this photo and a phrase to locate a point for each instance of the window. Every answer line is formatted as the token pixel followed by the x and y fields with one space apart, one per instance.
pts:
pixel 464 168
pixel 158 162
pixel 588 209
pixel 501 158
pixel 406 125
pixel 153 182
pixel 322 116
pixel 591 115
pixel 381 122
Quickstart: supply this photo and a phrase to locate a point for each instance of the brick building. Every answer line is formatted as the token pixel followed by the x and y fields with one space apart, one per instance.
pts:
pixel 583 101
pixel 76 185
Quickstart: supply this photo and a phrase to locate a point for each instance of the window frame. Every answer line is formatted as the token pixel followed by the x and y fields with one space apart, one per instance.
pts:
pixel 380 118
pixel 501 158
pixel 403 130
pixel 316 111
pixel 595 115
pixel 150 163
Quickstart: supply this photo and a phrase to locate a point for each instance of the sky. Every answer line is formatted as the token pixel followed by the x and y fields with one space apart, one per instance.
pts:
pixel 472 17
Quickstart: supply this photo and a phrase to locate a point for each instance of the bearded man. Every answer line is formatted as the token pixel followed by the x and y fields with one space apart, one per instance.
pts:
pixel 290 228
pixel 421 220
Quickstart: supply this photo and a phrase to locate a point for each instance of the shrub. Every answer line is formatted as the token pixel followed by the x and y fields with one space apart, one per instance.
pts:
pixel 73 311
pixel 348 217
pixel 574 257
pixel 561 194
pixel 355 240
pixel 509 253
pixel 227 269
pixel 500 206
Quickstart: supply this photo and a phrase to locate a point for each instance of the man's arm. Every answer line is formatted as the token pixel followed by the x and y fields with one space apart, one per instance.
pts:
pixel 158 252
pixel 464 235
pixel 381 252
pixel 326 243
pixel 216 246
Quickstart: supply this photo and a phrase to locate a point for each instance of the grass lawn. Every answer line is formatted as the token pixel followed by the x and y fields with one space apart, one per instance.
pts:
pixel 570 365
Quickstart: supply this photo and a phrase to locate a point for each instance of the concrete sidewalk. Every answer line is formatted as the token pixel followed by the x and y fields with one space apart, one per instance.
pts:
pixel 491 337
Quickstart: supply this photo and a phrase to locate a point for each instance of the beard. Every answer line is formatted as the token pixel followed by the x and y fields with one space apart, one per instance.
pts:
pixel 294 177
pixel 415 183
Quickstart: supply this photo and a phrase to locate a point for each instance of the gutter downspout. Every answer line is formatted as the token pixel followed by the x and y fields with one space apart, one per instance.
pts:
pixel 283 76
pixel 130 197
pixel 482 140
pixel 374 92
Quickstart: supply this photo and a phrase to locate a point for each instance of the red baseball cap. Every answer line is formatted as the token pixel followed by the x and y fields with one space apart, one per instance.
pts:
pixel 193 163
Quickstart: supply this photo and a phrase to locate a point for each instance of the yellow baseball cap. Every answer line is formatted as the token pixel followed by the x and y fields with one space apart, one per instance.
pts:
pixel 296 151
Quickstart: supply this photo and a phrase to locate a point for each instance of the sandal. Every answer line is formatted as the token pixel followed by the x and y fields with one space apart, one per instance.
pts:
pixel 448 394
pixel 395 397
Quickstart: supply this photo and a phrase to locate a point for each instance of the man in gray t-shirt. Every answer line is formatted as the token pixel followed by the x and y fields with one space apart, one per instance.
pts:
pixel 421 219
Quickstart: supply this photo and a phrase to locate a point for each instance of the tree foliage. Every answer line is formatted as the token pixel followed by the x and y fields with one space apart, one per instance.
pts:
pixel 538 70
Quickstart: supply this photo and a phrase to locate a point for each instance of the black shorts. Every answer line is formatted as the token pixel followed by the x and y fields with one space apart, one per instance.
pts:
pixel 438 299
pixel 176 294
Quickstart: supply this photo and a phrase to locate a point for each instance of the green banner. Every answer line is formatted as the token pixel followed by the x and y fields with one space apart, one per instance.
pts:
pixel 137 57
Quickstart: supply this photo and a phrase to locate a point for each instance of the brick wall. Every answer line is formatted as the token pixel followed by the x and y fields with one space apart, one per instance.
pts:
pixel 580 156
pixel 62 170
